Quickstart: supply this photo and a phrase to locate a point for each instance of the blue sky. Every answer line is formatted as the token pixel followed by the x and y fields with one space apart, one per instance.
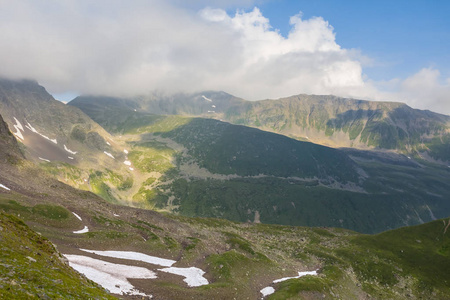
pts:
pixel 400 36
pixel 254 49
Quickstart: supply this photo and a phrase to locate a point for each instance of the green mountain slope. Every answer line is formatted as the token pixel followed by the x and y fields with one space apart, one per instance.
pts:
pixel 327 120
pixel 214 169
pixel 32 268
pixel 239 259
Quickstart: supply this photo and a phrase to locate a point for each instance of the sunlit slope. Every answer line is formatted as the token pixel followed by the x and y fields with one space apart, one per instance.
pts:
pixel 204 167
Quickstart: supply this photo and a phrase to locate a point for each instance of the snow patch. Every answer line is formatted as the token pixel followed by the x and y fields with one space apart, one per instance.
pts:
pixel 207 99
pixel 192 276
pixel 131 169
pixel 18 126
pixel 211 111
pixel 125 151
pixel 84 230
pixel 134 256
pixel 270 290
pixel 116 215
pixel 78 217
pixel 108 143
pixel 4 187
pixel 44 136
pixel 109 154
pixel 111 276
pixel 300 274
pixel 267 291
pixel 43 159
pixel 127 162
pixel 69 157
pixel 213 106
pixel 70 151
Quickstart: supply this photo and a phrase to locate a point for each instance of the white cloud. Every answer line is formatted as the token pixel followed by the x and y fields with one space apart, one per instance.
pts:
pixel 127 47
pixel 425 90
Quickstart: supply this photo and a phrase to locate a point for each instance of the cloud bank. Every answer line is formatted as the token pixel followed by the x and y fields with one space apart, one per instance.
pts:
pixel 132 47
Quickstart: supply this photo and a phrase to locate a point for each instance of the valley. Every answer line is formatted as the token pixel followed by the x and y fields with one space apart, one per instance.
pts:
pixel 228 210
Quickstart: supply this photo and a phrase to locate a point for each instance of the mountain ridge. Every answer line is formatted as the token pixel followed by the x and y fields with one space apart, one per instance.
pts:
pixel 327 120
pixel 211 168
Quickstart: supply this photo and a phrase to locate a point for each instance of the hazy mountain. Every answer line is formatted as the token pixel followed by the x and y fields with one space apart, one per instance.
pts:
pixel 62 139
pixel 48 128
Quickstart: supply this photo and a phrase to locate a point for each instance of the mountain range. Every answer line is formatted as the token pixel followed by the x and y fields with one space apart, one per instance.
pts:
pixel 240 260
pixel 326 120
pixel 204 167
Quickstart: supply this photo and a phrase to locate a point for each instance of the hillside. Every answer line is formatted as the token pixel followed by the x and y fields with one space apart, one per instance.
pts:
pixel 32 268
pixel 239 259
pixel 326 120
pixel 49 129
pixel 210 168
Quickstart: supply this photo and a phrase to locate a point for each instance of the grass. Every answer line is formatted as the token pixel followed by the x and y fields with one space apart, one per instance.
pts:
pixel 31 267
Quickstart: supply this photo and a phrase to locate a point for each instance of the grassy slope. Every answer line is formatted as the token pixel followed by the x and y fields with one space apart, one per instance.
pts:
pixel 32 268
pixel 240 259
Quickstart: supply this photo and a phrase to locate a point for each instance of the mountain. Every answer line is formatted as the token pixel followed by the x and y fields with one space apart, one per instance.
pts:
pixel 240 260
pixel 62 139
pixel 49 128
pixel 326 120
pixel 210 168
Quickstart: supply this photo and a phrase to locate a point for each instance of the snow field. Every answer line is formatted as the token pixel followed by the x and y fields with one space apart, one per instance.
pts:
pixel 114 276
pixel 109 275
pixel 134 256
pixel 192 276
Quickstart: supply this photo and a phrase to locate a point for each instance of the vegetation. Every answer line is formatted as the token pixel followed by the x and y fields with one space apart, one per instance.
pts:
pixel 32 268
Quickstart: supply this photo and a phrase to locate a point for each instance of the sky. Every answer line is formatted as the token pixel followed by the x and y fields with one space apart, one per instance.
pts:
pixel 254 49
